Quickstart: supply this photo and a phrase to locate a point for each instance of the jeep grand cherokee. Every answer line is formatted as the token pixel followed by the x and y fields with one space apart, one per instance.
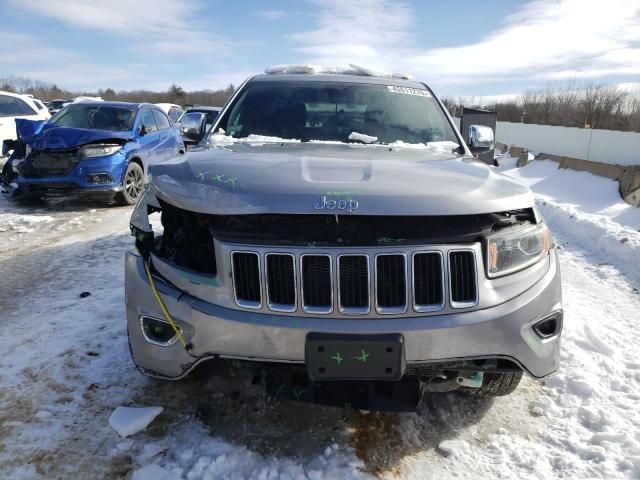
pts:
pixel 333 234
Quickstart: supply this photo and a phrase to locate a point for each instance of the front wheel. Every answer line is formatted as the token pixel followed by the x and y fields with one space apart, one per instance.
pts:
pixel 132 185
pixel 496 385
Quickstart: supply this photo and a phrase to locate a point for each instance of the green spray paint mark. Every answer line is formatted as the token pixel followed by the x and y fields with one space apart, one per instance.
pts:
pixel 312 244
pixel 338 358
pixel 219 178
pixel 362 357
pixel 298 393
pixel 280 388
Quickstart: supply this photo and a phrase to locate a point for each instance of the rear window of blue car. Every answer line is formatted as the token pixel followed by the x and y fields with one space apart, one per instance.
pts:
pixel 96 117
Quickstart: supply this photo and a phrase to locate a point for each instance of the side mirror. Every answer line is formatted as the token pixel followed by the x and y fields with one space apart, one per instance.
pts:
pixel 481 137
pixel 192 126
pixel 142 131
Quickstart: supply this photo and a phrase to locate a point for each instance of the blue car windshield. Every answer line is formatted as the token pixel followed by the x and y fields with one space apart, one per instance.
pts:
pixel 96 117
pixel 318 110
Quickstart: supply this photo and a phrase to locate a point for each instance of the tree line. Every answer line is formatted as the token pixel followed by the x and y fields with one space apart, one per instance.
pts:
pixel 571 105
pixel 174 94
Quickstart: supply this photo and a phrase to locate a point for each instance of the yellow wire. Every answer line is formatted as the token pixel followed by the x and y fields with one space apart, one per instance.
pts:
pixel 163 307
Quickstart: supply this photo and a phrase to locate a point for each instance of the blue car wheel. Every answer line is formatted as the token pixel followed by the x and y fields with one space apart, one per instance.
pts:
pixel 132 185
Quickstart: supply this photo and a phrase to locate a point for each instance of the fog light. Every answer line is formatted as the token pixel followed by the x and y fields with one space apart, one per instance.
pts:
pixel 99 178
pixel 158 332
pixel 549 327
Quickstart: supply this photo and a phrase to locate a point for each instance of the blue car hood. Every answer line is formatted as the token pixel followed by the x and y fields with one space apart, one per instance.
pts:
pixel 41 135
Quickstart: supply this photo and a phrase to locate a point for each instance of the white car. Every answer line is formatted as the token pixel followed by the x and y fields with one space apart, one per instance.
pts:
pixel 12 106
pixel 172 110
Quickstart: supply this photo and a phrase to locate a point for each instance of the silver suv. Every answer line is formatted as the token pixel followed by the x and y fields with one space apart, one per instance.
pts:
pixel 333 234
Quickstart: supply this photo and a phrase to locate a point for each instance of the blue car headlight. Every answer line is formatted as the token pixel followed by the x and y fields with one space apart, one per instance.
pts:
pixel 90 151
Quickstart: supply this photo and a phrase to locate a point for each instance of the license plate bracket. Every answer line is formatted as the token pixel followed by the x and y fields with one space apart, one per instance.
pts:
pixel 355 357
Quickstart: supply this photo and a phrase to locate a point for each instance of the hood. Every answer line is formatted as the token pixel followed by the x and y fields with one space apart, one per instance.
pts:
pixel 314 178
pixel 41 135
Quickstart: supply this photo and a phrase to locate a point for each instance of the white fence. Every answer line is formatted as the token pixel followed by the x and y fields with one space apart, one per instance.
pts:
pixel 605 146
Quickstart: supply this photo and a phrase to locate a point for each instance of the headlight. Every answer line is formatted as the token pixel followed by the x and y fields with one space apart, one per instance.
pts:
pixel 100 150
pixel 516 248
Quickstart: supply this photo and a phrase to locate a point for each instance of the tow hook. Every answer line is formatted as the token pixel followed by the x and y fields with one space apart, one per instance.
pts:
pixel 471 382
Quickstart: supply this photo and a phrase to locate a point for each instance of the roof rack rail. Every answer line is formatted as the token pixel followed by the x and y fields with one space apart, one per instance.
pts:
pixel 326 69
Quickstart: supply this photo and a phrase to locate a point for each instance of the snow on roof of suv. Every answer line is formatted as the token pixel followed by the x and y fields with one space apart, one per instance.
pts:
pixel 315 69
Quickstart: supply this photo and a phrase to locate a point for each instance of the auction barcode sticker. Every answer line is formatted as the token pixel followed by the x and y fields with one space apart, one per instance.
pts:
pixel 409 91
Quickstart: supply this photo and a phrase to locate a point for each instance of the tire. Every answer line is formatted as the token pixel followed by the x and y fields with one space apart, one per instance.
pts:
pixel 132 185
pixel 496 385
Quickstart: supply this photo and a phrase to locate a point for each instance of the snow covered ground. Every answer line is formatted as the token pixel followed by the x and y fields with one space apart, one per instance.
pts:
pixel 65 368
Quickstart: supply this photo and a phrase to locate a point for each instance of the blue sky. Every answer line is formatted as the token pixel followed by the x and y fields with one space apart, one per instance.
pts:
pixel 466 48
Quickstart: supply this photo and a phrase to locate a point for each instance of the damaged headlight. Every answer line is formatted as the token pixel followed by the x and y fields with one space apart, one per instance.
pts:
pixel 90 151
pixel 517 248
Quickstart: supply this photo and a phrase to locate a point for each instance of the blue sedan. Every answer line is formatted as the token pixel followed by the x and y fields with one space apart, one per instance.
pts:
pixel 93 148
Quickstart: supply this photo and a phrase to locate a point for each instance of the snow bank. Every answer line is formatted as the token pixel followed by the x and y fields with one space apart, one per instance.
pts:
pixel 130 420
pixel 587 208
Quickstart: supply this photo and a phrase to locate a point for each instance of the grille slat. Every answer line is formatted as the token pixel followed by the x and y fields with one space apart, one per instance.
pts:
pixel 354 284
pixel 427 281
pixel 463 278
pixel 246 278
pixel 391 283
pixel 316 284
pixel 281 282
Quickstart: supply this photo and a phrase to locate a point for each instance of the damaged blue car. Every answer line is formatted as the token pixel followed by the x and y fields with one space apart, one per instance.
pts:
pixel 98 149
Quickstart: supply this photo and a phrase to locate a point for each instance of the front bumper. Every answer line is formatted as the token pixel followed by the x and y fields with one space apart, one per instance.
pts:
pixel 502 331
pixel 77 180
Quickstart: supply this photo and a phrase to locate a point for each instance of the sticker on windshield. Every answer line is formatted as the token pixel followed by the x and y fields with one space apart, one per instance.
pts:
pixel 409 91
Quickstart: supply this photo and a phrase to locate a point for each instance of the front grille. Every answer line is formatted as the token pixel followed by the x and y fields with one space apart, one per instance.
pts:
pixel 317 290
pixel 44 164
pixel 427 282
pixel 353 284
pixel 281 282
pixel 462 267
pixel 246 279
pixel 340 284
pixel 391 283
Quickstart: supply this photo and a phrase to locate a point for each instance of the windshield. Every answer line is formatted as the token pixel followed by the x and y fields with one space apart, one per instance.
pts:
pixel 335 111
pixel 96 117
pixel 57 103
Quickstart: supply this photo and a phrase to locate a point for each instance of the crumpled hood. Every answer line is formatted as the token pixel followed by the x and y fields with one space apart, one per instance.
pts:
pixel 41 135
pixel 304 178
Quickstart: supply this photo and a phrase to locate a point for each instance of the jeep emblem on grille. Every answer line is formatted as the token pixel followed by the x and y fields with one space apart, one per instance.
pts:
pixel 346 205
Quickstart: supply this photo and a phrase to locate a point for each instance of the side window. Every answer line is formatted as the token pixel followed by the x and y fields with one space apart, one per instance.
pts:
pixel 24 107
pixel 11 106
pixel 148 121
pixel 174 114
pixel 161 120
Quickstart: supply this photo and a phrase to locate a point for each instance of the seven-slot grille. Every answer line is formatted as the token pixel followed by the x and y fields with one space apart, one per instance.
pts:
pixel 388 282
